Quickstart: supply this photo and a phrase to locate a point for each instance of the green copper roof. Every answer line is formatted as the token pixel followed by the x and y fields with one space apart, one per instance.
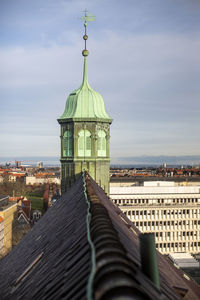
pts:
pixel 85 103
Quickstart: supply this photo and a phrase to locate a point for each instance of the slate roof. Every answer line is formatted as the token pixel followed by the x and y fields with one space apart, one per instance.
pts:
pixel 59 247
pixel 84 247
pixel 26 207
pixel 22 215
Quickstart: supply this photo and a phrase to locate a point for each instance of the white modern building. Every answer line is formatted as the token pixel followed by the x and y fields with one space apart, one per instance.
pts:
pixel 184 260
pixel 41 180
pixel 171 212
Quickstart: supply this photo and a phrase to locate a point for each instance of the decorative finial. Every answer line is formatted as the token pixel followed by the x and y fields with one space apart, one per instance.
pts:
pixel 86 18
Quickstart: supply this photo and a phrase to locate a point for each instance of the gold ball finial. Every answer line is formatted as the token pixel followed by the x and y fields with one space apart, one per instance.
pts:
pixel 86 18
pixel 85 52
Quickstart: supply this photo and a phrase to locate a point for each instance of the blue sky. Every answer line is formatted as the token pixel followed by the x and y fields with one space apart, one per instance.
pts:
pixel 144 60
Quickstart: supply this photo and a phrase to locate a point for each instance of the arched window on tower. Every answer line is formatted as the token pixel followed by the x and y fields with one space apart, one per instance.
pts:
pixel 67 143
pixel 101 143
pixel 84 143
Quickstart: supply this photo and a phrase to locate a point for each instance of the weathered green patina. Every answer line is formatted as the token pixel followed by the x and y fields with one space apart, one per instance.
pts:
pixel 85 133
pixel 85 103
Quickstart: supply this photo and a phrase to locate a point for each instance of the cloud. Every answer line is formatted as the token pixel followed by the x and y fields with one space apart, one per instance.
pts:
pixel 149 82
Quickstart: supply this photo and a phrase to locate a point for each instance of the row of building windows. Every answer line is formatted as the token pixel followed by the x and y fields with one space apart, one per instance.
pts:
pixel 168 223
pixel 163 213
pixel 186 238
pixel 84 143
pixel 156 201
pixel 177 245
pixel 176 233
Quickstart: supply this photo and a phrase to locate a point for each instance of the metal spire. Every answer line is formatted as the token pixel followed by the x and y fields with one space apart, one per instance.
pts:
pixel 86 18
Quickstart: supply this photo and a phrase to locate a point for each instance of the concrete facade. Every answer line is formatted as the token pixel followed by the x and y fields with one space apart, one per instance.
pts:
pixel 172 213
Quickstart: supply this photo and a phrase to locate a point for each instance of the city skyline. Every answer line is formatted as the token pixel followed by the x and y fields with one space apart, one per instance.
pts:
pixel 144 61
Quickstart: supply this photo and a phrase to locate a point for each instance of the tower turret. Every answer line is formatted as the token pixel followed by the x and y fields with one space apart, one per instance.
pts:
pixel 85 132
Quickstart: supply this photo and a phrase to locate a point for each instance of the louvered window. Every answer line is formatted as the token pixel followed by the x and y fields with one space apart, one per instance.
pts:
pixel 101 143
pixel 84 143
pixel 67 143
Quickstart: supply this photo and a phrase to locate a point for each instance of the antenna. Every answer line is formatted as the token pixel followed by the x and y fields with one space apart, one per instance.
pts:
pixel 86 18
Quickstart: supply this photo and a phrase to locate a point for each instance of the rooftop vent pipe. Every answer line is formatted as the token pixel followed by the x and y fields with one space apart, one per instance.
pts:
pixel 149 257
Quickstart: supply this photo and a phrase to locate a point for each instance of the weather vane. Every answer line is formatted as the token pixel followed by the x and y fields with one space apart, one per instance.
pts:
pixel 86 18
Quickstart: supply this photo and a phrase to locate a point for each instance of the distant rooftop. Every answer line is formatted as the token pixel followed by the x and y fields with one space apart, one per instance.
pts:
pixel 3 200
pixel 153 178
pixel 5 203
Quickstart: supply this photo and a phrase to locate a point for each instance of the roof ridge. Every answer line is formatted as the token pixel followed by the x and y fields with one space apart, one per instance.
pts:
pixel 114 269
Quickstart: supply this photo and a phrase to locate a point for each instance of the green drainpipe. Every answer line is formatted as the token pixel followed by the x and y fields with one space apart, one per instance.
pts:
pixel 149 257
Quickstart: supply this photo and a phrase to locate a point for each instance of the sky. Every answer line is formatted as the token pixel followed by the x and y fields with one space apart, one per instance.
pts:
pixel 144 60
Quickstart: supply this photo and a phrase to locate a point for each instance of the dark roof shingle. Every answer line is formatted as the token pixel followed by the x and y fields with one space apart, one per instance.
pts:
pixel 63 269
